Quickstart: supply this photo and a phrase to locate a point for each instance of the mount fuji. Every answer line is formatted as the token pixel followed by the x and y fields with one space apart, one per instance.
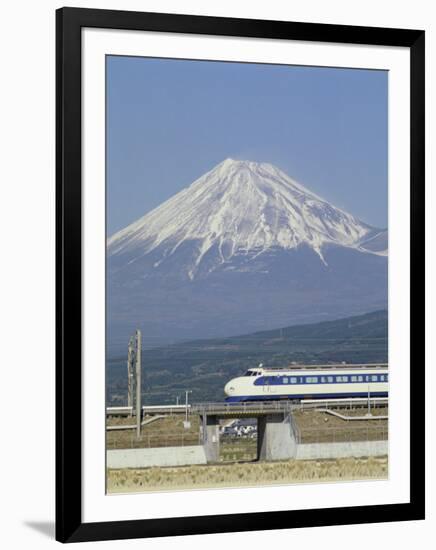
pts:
pixel 243 248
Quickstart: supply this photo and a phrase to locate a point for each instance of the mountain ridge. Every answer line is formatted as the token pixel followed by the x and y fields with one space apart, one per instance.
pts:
pixel 243 248
pixel 240 207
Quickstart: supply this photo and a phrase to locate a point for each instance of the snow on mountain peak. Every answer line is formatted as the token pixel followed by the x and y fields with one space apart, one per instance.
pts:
pixel 240 207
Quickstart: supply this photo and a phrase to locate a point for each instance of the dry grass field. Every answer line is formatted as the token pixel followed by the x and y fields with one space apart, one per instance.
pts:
pixel 321 427
pixel 246 474
pixel 163 432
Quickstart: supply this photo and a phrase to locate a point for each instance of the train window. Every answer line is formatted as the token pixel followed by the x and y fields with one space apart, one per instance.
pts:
pixel 330 379
pixel 293 380
pixel 354 379
pixel 366 378
pixel 374 378
pixel 345 379
pixel 322 379
pixel 382 377
pixel 360 378
pixel 285 380
pixel 338 378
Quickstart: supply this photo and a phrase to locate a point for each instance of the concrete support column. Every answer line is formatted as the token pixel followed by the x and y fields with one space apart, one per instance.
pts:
pixel 276 439
pixel 211 437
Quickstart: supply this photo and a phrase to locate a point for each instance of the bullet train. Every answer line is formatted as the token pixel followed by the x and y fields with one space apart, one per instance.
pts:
pixel 309 382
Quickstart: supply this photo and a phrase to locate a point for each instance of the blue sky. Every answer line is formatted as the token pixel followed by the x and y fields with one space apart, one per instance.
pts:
pixel 169 121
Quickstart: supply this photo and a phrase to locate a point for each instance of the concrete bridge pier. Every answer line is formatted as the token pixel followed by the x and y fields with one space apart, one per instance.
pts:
pixel 211 437
pixel 276 437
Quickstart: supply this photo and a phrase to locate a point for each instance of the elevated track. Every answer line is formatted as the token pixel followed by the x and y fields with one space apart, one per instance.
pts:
pixel 247 408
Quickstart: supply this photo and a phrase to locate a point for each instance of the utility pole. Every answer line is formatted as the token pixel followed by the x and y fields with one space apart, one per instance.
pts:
pixel 186 423
pixel 138 384
pixel 369 403
pixel 130 374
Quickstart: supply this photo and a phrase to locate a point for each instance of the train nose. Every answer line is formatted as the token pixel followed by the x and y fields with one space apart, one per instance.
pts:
pixel 229 388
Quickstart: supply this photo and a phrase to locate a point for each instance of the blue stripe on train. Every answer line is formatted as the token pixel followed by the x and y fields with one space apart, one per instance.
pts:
pixel 271 396
pixel 279 380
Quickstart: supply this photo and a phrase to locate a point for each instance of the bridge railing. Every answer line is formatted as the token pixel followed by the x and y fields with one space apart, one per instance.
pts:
pixel 245 407
pixel 344 403
pixel 242 407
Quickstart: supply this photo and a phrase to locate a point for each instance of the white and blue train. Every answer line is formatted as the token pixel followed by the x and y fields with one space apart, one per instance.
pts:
pixel 309 382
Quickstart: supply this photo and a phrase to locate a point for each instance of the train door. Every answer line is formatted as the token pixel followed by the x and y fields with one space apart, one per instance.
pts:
pixel 268 386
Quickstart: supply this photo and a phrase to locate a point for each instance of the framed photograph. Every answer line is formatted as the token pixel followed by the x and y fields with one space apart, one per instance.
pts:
pixel 240 274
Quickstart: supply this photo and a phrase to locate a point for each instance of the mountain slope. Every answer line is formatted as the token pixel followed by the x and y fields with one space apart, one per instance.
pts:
pixel 239 207
pixel 243 248
pixel 370 326
pixel 206 365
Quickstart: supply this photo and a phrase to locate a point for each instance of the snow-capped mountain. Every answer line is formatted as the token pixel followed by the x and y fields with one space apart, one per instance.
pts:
pixel 240 207
pixel 244 247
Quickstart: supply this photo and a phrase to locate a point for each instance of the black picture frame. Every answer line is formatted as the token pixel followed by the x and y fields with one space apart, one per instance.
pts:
pixel 69 22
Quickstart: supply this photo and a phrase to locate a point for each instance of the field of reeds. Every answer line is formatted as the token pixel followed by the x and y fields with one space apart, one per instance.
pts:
pixel 245 474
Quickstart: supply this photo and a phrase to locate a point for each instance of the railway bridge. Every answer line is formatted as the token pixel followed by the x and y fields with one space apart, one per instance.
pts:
pixel 276 430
